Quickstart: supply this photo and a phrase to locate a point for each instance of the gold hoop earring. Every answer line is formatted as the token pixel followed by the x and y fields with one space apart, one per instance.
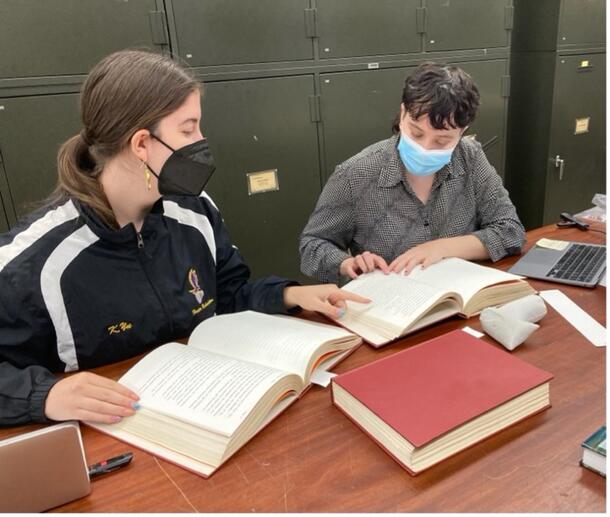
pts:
pixel 147 174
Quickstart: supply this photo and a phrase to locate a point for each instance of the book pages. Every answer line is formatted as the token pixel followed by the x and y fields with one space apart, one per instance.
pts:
pixel 463 277
pixel 397 300
pixel 209 390
pixel 281 342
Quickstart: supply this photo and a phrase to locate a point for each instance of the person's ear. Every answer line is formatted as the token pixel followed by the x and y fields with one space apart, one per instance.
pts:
pixel 138 144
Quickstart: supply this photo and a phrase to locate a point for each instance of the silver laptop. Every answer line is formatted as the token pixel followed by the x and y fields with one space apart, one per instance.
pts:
pixel 579 264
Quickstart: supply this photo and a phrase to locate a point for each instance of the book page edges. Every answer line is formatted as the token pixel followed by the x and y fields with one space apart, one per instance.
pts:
pixel 415 473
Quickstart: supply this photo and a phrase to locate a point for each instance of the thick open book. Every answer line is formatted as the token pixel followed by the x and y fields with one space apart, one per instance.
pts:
pixel 435 399
pixel 402 303
pixel 201 402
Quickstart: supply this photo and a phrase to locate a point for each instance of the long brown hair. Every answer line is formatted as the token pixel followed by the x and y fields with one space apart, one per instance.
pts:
pixel 126 91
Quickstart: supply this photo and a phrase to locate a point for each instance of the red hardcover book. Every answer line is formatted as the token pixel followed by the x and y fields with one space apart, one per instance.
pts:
pixel 437 398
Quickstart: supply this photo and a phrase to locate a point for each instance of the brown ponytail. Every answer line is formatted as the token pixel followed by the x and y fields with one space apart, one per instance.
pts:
pixel 126 91
pixel 78 179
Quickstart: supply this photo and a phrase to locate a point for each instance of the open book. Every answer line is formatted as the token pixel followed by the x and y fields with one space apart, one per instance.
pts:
pixel 402 303
pixel 201 402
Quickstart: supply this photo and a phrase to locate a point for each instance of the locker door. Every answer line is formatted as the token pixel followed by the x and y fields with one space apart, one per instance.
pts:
pixel 262 126
pixel 358 109
pixel 464 24
pixel 31 131
pixel 582 22
pixel 353 27
pixel 222 32
pixel 67 37
pixel 3 217
pixel 490 123
pixel 578 135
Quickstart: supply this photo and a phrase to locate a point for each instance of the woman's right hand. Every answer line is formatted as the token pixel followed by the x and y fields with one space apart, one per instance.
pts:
pixel 363 263
pixel 87 396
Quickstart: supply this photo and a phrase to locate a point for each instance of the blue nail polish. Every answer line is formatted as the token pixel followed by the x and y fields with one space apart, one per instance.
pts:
pixel 341 313
pixel 135 405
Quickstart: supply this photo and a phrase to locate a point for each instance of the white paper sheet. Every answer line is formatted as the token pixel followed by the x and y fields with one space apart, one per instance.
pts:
pixel 552 244
pixel 574 315
pixel 322 378
pixel 473 332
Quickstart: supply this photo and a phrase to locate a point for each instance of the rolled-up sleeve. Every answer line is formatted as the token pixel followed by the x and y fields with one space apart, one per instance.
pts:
pixel 500 229
pixel 329 231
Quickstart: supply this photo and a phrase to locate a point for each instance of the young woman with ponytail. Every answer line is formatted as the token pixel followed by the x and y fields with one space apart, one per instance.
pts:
pixel 128 253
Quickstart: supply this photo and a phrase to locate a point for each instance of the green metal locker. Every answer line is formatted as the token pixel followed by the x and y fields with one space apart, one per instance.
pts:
pixel 556 125
pixel 467 24
pixel 582 23
pixel 31 131
pixel 267 179
pixel 222 32
pixel 362 28
pixel 489 126
pixel 3 218
pixel 357 109
pixel 576 157
pixel 67 37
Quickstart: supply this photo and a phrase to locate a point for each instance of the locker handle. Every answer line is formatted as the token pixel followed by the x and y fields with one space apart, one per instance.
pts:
pixel 559 162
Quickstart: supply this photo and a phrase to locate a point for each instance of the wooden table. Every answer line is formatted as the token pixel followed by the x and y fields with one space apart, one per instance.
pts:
pixel 313 459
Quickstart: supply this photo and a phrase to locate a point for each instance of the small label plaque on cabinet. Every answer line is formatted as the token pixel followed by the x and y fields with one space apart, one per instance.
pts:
pixel 262 181
pixel 581 126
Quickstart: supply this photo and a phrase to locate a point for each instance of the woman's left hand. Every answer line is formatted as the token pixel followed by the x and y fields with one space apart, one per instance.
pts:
pixel 326 298
pixel 425 254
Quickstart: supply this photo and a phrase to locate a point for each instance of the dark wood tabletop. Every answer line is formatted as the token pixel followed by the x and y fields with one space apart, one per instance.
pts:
pixel 313 459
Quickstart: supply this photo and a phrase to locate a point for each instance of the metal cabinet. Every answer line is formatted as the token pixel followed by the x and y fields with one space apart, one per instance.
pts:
pixel 358 108
pixel 582 23
pixel 31 131
pixel 361 28
pixel 556 138
pixel 267 179
pixel 489 126
pixel 222 32
pixel 576 157
pixel 67 37
pixel 467 24
pixel 556 125
pixel 3 218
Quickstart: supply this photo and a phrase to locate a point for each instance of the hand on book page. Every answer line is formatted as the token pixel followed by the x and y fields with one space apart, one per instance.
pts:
pixel 214 391
pixel 202 401
pixel 327 299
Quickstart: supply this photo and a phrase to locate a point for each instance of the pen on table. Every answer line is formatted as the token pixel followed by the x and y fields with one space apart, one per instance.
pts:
pixel 110 465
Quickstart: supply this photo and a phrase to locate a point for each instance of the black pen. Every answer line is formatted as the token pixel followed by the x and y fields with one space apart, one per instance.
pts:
pixel 110 465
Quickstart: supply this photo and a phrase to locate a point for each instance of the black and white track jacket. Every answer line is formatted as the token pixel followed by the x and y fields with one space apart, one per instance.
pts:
pixel 75 294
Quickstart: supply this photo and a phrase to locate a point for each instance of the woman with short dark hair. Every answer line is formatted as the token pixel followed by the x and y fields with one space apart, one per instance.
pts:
pixel 422 195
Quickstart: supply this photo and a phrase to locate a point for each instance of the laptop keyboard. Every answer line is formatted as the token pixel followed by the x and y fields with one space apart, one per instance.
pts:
pixel 580 263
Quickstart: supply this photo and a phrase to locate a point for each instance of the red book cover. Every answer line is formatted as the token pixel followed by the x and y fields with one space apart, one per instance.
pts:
pixel 434 387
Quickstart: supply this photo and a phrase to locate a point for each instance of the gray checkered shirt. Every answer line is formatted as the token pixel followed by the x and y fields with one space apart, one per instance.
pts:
pixel 368 205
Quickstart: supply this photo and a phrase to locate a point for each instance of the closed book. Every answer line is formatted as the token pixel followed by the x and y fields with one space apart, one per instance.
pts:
pixel 594 451
pixel 437 398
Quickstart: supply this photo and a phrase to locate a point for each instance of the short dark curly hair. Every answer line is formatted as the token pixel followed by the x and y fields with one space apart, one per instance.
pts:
pixel 445 93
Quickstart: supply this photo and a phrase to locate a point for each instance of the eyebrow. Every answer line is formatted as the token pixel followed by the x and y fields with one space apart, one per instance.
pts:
pixel 188 120
pixel 415 126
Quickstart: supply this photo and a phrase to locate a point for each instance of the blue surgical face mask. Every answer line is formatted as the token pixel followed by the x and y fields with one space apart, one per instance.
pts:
pixel 420 161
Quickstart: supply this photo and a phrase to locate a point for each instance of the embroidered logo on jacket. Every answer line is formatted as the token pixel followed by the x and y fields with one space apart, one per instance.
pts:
pixel 197 292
